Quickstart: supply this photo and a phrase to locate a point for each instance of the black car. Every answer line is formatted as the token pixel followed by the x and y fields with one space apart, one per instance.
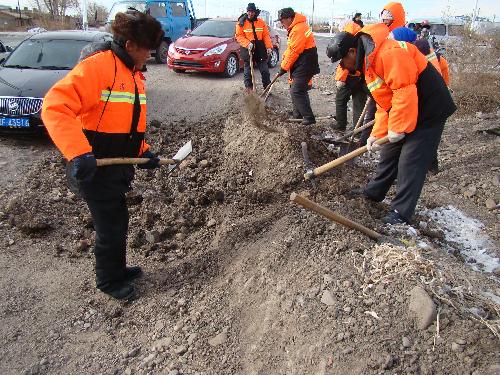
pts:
pixel 32 69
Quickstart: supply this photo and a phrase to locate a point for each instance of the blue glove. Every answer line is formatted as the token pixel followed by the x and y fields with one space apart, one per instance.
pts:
pixel 84 167
pixel 152 163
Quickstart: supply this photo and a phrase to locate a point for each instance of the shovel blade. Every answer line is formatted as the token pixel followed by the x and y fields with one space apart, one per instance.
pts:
pixel 182 154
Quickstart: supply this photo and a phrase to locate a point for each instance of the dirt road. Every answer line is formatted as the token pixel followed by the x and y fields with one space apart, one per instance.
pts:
pixel 238 280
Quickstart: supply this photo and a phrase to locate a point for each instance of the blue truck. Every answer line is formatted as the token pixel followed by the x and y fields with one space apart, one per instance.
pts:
pixel 176 17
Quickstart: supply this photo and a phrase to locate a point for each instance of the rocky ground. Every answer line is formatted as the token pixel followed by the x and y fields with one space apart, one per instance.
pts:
pixel 238 280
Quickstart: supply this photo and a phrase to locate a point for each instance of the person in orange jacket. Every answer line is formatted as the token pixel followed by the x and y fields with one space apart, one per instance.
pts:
pixel 253 36
pixel 98 110
pixel 348 85
pixel 435 59
pixel 413 104
pixel 300 61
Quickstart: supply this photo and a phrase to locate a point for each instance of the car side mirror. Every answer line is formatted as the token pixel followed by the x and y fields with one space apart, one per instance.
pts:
pixel 2 60
pixel 9 48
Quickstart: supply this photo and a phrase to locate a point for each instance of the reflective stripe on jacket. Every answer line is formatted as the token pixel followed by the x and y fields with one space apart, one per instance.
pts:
pixel 432 58
pixel 91 109
pixel 244 34
pixel 300 41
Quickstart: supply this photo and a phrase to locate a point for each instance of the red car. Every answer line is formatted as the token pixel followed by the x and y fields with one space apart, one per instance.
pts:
pixel 212 47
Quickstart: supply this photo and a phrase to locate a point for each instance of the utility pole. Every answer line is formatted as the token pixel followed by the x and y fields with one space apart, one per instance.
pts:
pixel 312 18
pixel 85 22
pixel 331 21
pixel 206 9
pixel 20 17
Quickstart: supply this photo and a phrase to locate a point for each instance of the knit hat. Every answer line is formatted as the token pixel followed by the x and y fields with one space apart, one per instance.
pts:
pixel 404 34
pixel 251 7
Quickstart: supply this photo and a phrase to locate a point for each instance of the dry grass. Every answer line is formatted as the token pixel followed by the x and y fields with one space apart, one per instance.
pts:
pixel 385 263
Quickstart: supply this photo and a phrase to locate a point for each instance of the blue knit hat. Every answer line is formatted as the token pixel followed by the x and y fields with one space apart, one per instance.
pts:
pixel 404 34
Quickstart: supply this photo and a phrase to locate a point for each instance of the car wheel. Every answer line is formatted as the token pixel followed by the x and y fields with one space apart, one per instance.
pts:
pixel 274 58
pixel 179 71
pixel 232 66
pixel 161 53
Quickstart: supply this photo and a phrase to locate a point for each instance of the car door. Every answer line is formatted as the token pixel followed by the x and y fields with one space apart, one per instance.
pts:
pixel 180 18
pixel 158 10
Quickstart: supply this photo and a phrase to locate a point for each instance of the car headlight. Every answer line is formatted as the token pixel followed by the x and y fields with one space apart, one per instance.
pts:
pixel 171 48
pixel 216 50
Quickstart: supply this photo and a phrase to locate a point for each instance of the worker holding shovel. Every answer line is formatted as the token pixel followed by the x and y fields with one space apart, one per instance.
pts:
pixel 253 35
pixel 99 111
pixel 413 104
pixel 300 61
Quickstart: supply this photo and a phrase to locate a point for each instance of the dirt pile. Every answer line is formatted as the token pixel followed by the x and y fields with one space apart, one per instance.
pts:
pixel 238 280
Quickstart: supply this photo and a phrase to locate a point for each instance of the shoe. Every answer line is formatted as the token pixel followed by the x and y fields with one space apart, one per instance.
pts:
pixel 308 121
pixel 360 193
pixel 132 273
pixel 394 218
pixel 294 115
pixel 433 171
pixel 119 290
pixel 337 127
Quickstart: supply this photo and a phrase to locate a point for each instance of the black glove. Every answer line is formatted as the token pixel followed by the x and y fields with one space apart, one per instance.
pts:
pixel 84 167
pixel 152 163
pixel 282 72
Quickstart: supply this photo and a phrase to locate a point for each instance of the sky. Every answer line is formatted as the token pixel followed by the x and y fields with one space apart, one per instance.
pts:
pixel 323 8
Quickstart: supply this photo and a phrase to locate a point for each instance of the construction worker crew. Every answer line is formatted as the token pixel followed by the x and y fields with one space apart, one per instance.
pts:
pixel 300 61
pixel 99 111
pixel 357 19
pixel 253 35
pixel 413 104
pixel 348 85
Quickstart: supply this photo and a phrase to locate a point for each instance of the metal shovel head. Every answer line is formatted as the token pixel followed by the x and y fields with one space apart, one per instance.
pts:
pixel 345 148
pixel 182 154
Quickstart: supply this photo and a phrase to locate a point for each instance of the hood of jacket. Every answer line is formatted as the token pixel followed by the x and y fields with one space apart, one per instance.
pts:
pixel 398 13
pixel 370 39
pixel 299 18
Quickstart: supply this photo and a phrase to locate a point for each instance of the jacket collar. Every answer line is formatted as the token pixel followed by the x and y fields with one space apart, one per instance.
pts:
pixel 120 52
pixel 299 18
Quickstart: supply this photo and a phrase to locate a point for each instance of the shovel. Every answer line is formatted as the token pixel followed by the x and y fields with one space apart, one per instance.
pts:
pixel 269 87
pixel 339 161
pixel 172 163
pixel 346 150
pixel 251 70
pixel 317 119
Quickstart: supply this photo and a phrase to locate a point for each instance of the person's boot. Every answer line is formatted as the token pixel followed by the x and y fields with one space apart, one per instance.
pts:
pixel 394 218
pixel 308 121
pixel 132 273
pixel 119 290
pixel 336 126
pixel 295 115
pixel 361 193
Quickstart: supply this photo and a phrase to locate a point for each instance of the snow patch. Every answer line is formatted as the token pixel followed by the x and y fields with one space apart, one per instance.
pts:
pixel 467 235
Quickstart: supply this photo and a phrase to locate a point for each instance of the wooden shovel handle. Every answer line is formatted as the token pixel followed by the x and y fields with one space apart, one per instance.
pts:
pixel 358 130
pixel 121 161
pixel 351 155
pixel 270 85
pixel 329 214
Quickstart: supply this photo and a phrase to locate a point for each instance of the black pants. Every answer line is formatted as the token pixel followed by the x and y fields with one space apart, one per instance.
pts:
pixel 342 98
pixel 300 97
pixel 409 161
pixel 264 73
pixel 110 219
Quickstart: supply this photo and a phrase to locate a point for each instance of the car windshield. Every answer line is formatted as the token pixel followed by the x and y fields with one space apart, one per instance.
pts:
pixel 219 29
pixel 54 54
pixel 122 7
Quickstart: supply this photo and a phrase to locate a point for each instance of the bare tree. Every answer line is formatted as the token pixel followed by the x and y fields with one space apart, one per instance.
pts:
pixel 96 13
pixel 56 8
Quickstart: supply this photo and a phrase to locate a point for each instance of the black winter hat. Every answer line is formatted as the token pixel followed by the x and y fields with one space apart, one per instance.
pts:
pixel 286 13
pixel 251 7
pixel 339 45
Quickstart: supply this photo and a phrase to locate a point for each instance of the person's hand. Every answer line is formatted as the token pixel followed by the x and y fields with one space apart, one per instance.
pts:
pixel 83 167
pixel 371 145
pixel 153 162
pixel 269 52
pixel 395 137
pixel 250 46
pixel 339 84
pixel 281 72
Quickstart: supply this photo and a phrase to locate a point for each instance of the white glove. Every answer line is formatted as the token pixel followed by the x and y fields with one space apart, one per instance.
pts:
pixel 395 137
pixel 269 51
pixel 371 145
pixel 250 46
pixel 339 84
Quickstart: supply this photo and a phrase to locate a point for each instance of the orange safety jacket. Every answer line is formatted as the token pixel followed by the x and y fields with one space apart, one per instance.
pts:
pixel 445 70
pixel 92 108
pixel 301 53
pixel 244 34
pixel 340 73
pixel 391 70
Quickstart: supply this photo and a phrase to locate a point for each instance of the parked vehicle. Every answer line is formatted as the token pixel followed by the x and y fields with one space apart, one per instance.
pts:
pixel 442 33
pixel 32 69
pixel 4 50
pixel 212 47
pixel 175 16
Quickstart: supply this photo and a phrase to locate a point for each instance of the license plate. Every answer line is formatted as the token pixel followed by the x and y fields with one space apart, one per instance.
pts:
pixel 14 122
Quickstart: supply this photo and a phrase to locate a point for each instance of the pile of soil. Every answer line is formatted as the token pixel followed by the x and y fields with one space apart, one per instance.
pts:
pixel 239 280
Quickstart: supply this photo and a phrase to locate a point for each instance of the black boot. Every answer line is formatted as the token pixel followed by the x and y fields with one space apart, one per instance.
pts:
pixel 132 273
pixel 119 290
pixel 394 218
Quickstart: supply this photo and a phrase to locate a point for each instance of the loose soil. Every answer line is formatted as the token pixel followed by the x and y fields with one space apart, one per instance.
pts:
pixel 237 279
